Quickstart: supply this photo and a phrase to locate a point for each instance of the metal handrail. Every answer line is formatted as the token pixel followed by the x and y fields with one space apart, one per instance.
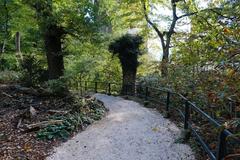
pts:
pixel 221 152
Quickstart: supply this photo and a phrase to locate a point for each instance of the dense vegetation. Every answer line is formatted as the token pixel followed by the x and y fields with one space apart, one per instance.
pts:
pixel 46 44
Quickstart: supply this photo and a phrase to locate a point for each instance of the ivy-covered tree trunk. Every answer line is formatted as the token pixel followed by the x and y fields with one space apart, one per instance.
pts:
pixel 129 79
pixel 127 50
pixel 53 46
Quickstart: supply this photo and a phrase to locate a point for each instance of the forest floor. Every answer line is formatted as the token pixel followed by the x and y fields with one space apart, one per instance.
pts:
pixel 129 131
pixel 23 109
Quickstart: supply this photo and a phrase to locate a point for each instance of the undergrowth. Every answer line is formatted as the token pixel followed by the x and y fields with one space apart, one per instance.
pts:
pixel 83 113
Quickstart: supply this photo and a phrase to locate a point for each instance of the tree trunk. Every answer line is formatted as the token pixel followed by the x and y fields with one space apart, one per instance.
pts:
pixel 53 46
pixel 129 79
pixel 6 16
pixel 2 50
pixel 19 56
pixel 165 59
pixel 18 42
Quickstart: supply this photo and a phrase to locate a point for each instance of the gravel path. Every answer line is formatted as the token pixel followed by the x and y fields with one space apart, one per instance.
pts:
pixel 128 132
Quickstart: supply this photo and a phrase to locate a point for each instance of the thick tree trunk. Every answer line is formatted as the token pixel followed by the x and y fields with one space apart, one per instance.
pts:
pixel 53 46
pixel 165 61
pixel 129 79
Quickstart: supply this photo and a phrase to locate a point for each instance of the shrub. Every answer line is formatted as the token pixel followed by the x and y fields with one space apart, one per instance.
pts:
pixel 83 113
pixel 70 123
pixel 33 71
pixel 57 87
pixel 9 76
pixel 8 62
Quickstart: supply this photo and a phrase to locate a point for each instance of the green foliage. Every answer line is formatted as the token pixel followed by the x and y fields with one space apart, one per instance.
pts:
pixel 10 76
pixel 91 61
pixel 33 71
pixel 70 123
pixel 126 15
pixel 205 62
pixel 127 49
pixel 56 86
pixel 8 62
pixel 83 113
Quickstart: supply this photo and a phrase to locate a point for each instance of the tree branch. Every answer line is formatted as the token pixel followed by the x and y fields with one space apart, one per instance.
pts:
pixel 187 15
pixel 160 34
pixel 173 24
pixel 214 10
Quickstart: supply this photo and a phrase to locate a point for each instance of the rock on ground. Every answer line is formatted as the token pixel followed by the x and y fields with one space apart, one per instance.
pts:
pixel 128 132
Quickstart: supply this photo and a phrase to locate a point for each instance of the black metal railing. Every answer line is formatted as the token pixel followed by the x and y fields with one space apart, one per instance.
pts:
pixel 186 109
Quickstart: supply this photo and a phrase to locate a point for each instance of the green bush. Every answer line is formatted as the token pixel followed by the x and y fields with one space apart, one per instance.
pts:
pixel 8 62
pixel 70 123
pixel 57 86
pixel 33 71
pixel 83 112
pixel 10 76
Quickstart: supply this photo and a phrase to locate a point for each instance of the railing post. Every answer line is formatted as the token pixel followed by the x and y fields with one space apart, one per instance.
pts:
pixel 85 86
pixel 186 133
pixel 126 89
pixel 96 85
pixel 146 93
pixel 186 119
pixel 81 89
pixel 133 89
pixel 222 146
pixel 109 88
pixel 167 104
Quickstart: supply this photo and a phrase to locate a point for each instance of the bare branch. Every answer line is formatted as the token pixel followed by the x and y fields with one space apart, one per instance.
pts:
pixel 173 24
pixel 160 34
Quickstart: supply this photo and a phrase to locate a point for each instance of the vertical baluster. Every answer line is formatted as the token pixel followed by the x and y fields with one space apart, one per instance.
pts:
pixel 186 115
pixel 96 87
pixel 109 88
pixel 167 104
pixel 146 93
pixel 222 146
pixel 86 85
pixel 187 132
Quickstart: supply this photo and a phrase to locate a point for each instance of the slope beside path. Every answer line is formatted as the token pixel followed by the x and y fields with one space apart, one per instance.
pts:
pixel 128 132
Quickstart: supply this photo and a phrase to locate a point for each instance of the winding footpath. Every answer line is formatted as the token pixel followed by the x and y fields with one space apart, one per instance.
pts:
pixel 129 132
